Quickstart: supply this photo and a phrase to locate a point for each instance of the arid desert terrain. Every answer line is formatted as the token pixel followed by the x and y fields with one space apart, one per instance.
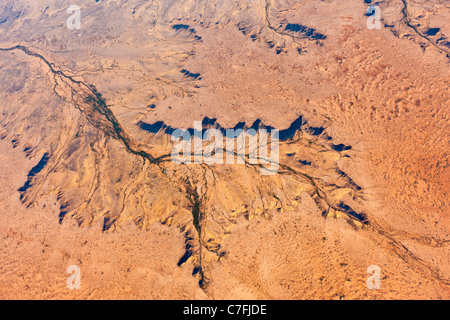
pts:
pixel 93 92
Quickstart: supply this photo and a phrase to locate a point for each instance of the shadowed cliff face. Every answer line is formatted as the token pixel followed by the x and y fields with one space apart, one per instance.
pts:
pixel 97 111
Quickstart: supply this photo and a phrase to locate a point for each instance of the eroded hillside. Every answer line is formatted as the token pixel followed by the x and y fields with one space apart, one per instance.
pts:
pixel 363 151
